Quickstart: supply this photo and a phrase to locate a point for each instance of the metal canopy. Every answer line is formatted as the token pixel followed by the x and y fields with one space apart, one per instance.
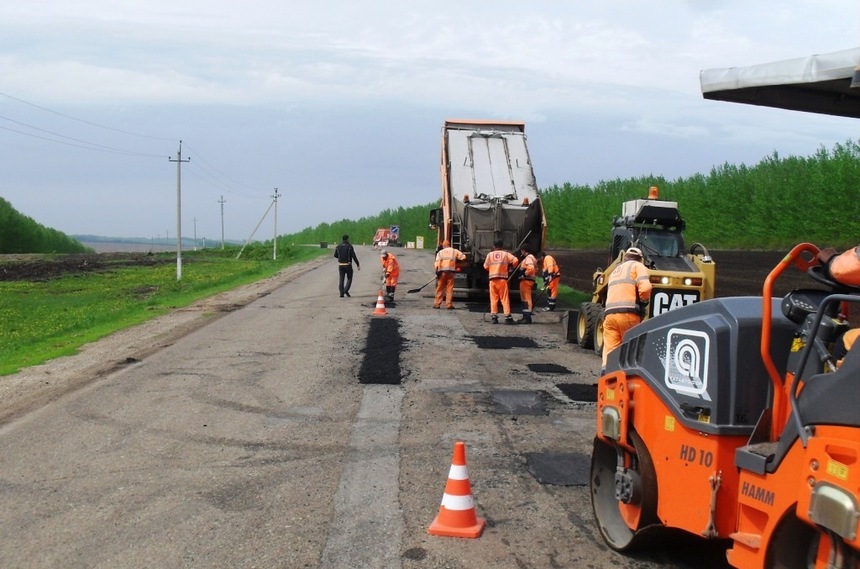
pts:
pixel 816 84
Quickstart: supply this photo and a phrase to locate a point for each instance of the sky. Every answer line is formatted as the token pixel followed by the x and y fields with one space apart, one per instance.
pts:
pixel 336 107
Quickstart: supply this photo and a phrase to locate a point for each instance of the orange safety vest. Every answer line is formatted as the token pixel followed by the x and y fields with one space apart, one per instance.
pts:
pixel 845 268
pixel 529 267
pixel 627 284
pixel 497 263
pixel 446 260
pixel 390 265
pixel 550 267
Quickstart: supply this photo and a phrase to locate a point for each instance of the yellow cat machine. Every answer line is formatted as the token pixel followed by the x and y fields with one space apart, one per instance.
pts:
pixel 489 192
pixel 678 277
pixel 729 418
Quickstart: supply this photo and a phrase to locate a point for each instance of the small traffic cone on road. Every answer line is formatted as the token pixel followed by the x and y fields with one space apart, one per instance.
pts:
pixel 380 306
pixel 457 516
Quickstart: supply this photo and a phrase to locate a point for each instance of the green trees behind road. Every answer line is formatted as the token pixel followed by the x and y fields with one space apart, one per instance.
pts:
pixel 21 234
pixel 775 204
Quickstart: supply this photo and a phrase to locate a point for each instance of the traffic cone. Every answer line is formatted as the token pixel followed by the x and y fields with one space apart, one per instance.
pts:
pixel 380 305
pixel 457 516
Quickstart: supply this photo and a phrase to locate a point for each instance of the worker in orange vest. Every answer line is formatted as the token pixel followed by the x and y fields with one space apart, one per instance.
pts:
pixel 844 267
pixel 391 273
pixel 527 272
pixel 551 278
pixel 498 264
pixel 446 268
pixel 627 295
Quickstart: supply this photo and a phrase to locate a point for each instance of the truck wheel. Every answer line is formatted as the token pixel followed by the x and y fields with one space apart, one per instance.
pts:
pixel 630 523
pixel 598 334
pixel 586 323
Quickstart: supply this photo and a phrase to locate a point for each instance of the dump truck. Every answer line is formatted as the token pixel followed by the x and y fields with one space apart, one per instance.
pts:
pixel 489 192
pixel 678 278
pixel 741 402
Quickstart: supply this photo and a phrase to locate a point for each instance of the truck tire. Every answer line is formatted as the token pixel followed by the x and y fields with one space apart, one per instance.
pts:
pixel 586 324
pixel 598 333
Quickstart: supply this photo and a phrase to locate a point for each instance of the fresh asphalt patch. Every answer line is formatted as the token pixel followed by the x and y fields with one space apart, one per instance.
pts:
pixel 559 468
pixel 381 362
pixel 548 368
pixel 503 342
pixel 586 393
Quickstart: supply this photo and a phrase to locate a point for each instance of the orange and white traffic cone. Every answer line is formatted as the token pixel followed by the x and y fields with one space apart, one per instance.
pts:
pixel 380 306
pixel 457 516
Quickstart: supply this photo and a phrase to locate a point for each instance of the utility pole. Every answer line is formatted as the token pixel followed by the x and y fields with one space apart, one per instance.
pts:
pixel 275 240
pixel 222 202
pixel 195 233
pixel 179 162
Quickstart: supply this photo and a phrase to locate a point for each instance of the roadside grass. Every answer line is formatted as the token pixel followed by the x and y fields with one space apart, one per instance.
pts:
pixel 43 320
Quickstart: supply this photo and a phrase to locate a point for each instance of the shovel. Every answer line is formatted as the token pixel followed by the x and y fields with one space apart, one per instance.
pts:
pixel 420 287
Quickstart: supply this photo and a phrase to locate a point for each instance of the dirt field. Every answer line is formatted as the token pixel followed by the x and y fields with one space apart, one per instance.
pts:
pixel 739 273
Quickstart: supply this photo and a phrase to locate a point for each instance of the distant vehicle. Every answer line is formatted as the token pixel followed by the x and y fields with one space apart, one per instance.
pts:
pixel 489 192
pixel 387 237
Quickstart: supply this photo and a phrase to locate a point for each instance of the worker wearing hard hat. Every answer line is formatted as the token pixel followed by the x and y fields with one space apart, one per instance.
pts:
pixel 527 270
pixel 627 295
pixel 446 267
pixel 499 264
pixel 390 273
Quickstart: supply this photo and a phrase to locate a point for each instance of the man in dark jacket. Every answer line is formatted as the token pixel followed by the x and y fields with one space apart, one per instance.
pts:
pixel 345 255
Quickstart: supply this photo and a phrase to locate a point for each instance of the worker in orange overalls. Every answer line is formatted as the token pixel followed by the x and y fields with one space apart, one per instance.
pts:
pixel 527 271
pixel 627 295
pixel 446 267
pixel 551 278
pixel 498 264
pixel 391 273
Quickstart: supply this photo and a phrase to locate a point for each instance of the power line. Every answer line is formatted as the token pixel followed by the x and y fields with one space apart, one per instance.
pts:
pixel 85 121
pixel 81 143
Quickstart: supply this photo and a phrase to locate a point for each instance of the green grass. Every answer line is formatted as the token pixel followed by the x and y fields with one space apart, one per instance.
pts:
pixel 48 319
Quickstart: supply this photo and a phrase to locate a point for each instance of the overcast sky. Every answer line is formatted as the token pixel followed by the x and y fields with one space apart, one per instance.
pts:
pixel 339 104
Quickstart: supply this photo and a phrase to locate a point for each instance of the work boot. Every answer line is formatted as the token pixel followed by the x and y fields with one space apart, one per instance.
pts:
pixel 495 319
pixel 550 304
pixel 509 319
pixel 526 319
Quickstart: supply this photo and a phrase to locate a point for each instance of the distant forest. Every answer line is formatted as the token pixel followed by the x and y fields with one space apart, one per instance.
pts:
pixel 21 234
pixel 772 205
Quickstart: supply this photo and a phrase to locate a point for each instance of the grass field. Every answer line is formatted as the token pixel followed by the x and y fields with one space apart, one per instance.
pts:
pixel 53 317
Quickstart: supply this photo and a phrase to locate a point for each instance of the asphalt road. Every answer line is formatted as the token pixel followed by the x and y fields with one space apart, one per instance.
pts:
pixel 263 439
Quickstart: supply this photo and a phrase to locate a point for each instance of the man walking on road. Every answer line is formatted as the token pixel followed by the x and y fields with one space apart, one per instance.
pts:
pixel 391 273
pixel 527 270
pixel 627 295
pixel 446 267
pixel 345 255
pixel 551 278
pixel 498 264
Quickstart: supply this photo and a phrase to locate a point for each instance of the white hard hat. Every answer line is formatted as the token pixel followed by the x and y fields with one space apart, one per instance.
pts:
pixel 634 252
pixel 383 253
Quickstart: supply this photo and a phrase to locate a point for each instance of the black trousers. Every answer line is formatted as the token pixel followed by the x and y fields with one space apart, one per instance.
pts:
pixel 345 274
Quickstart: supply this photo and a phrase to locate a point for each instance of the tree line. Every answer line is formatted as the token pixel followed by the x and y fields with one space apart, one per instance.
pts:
pixel 21 234
pixel 772 205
